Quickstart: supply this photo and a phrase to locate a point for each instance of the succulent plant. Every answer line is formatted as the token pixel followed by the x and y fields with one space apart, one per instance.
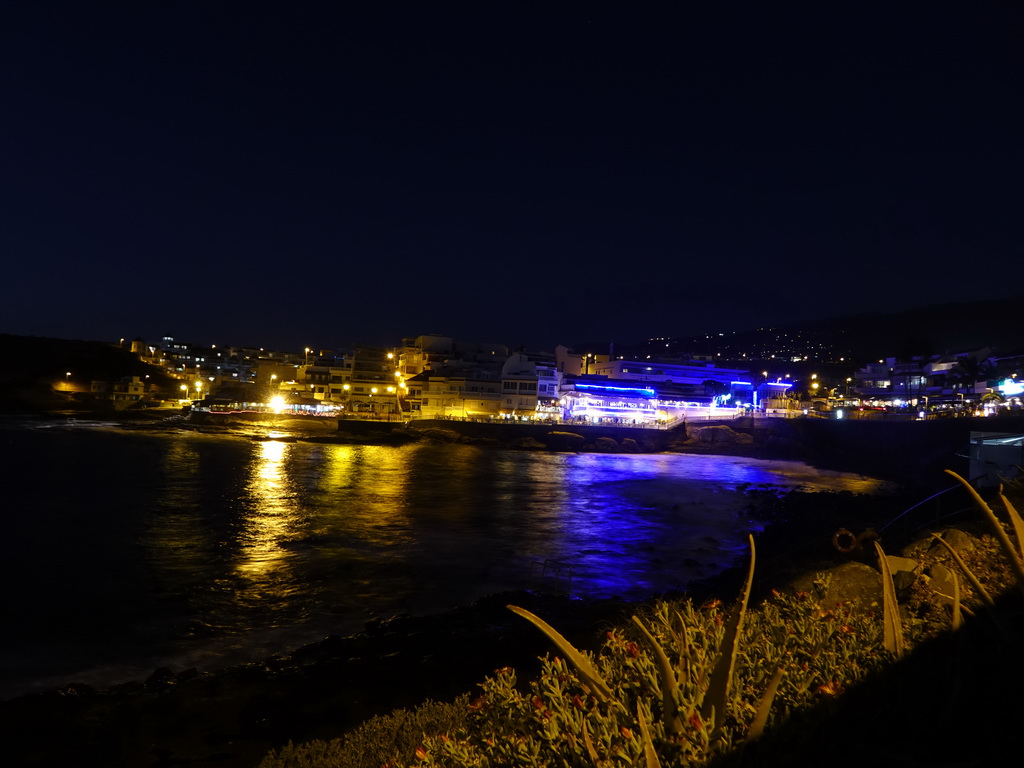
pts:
pixel 684 684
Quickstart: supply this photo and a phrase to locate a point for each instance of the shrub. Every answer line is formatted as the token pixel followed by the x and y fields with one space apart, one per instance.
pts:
pixel 379 741
pixel 682 685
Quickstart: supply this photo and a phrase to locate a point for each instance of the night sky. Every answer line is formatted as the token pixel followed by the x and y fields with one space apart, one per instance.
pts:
pixel 318 174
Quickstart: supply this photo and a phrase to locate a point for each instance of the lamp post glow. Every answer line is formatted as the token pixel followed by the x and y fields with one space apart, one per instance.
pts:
pixel 184 391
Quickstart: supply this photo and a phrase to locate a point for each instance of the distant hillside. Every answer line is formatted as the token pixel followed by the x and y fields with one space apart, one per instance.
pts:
pixel 933 329
pixel 32 360
pixel 926 330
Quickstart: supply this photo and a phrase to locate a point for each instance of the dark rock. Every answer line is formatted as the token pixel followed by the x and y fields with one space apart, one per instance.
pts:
pixel 564 441
pixel 527 444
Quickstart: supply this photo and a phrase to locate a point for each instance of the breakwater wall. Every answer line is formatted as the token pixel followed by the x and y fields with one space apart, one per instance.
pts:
pixel 647 440
pixel 913 453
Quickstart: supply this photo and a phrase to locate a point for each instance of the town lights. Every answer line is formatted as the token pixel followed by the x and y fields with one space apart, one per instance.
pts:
pixel 184 391
pixel 277 403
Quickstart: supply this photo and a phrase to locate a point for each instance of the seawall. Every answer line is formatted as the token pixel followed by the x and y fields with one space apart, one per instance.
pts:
pixel 550 435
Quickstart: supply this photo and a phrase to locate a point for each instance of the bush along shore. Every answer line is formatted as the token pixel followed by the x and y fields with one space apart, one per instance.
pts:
pixel 485 683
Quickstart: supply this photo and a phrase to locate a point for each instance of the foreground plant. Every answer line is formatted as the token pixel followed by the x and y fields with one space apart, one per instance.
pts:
pixel 1014 553
pixel 685 684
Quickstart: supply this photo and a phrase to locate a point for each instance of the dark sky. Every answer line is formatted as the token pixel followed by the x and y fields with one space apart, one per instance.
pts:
pixel 294 174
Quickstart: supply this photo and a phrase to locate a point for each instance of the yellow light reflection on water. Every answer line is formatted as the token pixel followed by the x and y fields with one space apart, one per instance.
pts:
pixel 376 478
pixel 272 511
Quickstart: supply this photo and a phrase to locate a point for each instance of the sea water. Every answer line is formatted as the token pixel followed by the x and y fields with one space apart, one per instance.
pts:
pixel 124 550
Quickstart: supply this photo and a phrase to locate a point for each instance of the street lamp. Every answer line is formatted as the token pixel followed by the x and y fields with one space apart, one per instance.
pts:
pixel 184 391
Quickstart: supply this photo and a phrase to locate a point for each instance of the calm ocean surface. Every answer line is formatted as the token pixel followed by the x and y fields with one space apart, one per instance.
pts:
pixel 124 550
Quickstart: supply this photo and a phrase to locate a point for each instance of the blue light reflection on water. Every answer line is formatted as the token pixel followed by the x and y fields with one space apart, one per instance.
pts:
pixel 131 549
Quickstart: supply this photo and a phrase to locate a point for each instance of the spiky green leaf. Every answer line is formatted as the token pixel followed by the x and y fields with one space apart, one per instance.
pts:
pixel 1015 521
pixel 765 707
pixel 583 665
pixel 717 695
pixel 669 683
pixel 650 756
pixel 892 634
pixel 997 529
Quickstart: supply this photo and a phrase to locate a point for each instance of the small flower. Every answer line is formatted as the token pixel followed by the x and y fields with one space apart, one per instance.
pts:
pixel 578 702
pixel 625 732
pixel 421 752
pixel 831 688
pixel 632 649
pixel 695 721
pixel 538 702
pixel 846 629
